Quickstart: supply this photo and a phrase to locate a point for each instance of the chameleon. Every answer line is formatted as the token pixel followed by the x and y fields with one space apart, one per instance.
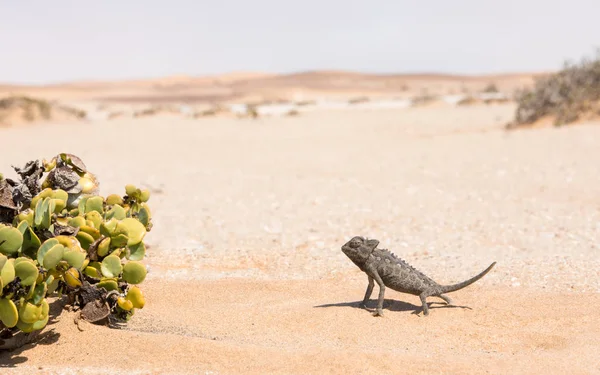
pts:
pixel 387 270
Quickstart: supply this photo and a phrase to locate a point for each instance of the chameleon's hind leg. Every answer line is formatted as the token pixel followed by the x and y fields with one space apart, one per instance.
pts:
pixel 446 298
pixel 423 296
pixel 368 293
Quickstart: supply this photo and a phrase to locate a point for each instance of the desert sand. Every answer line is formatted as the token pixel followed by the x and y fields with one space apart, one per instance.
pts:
pixel 256 86
pixel 246 272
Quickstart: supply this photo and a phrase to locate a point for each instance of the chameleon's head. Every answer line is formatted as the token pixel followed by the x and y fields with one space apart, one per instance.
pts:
pixel 358 249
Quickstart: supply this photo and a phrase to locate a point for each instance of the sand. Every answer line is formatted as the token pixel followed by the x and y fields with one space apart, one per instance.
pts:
pixel 247 276
pixel 255 86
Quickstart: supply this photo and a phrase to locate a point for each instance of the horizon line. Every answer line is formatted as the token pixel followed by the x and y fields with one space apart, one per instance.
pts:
pixel 277 74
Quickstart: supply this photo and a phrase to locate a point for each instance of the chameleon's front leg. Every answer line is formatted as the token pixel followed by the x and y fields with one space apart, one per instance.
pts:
pixel 379 311
pixel 368 293
pixel 423 296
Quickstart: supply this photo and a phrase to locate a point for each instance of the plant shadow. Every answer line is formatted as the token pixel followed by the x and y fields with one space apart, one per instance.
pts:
pixel 48 336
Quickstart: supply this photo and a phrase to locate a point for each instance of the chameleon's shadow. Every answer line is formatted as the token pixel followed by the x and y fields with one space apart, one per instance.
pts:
pixel 394 305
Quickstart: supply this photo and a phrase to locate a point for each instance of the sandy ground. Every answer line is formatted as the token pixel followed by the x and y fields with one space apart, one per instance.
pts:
pixel 247 275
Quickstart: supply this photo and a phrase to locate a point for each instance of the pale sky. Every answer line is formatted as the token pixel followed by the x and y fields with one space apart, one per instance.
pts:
pixel 43 41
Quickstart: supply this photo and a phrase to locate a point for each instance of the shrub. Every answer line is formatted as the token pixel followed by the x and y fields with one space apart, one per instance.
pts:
pixel 252 111
pixel 59 237
pixel 491 88
pixel 567 95
pixel 30 109
pixel 358 100
pixel 423 98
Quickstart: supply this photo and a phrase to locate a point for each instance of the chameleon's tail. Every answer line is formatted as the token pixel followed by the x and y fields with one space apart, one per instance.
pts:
pixel 455 287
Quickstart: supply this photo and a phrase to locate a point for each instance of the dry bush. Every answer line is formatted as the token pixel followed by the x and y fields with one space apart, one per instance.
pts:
pixel 305 103
pixel 468 100
pixel 566 96
pixel 19 109
pixel 423 98
pixel 491 88
pixel 358 100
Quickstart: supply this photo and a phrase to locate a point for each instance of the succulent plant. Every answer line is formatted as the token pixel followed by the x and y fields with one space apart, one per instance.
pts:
pixel 59 237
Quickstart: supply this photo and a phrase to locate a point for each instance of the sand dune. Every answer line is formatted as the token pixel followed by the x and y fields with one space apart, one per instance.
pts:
pixel 244 85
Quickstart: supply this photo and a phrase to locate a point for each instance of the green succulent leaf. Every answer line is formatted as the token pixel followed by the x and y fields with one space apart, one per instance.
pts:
pixel 94 203
pixel 47 245
pixel 117 212
pixel 53 286
pixel 22 227
pixel 47 192
pixel 9 315
pixel 111 266
pixel 134 272
pixel 77 221
pixel 104 247
pixel 39 292
pixel 7 273
pixel 95 233
pixel 130 189
pixel 144 195
pixel 108 284
pixel 137 251
pixel 75 258
pixel 43 213
pixel 57 205
pixel 108 228
pixel 29 313
pixel 82 204
pixel 144 216
pixel 26 271
pixel 26 215
pixel 134 294
pixel 95 218
pixel 31 243
pixel 114 199
pixel 133 229
pixel 60 194
pixel 85 239
pixel 119 240
pixel 53 256
pixel 11 240
pixel 92 272
pixel 40 324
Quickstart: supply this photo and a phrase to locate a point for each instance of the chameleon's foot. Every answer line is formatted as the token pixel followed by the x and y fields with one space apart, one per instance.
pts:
pixel 378 312
pixel 425 308
pixel 448 300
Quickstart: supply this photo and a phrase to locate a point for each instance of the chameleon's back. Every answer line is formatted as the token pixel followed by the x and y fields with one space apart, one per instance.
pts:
pixel 399 275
